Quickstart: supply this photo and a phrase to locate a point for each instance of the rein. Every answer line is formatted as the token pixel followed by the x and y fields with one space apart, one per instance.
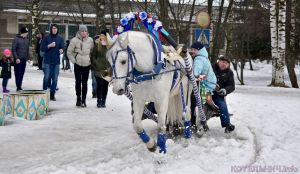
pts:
pixel 133 75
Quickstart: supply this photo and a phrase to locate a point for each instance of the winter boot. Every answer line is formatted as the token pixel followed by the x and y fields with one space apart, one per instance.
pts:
pixel 52 97
pixel 94 95
pixel 5 90
pixel 99 103
pixel 229 128
pixel 19 89
pixel 78 102
pixel 103 103
pixel 83 104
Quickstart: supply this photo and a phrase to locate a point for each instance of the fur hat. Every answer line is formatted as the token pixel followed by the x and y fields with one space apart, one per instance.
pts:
pixel 197 45
pixel 23 30
pixel 82 28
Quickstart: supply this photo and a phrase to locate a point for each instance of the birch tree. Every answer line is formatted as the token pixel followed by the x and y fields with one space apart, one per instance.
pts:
pixel 277 27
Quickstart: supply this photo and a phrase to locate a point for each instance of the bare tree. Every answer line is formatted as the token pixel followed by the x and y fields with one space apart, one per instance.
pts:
pixel 182 17
pixel 216 34
pixel 76 11
pixel 163 14
pixel 99 6
pixel 290 41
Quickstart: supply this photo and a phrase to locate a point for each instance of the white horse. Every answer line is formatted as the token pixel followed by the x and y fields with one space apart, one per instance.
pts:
pixel 133 50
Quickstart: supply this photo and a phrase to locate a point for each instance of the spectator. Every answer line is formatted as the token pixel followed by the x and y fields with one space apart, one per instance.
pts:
pixel 94 81
pixel 52 46
pixel 101 68
pixel 5 63
pixel 79 52
pixel 225 81
pixel 20 50
pixel 39 39
pixel 65 61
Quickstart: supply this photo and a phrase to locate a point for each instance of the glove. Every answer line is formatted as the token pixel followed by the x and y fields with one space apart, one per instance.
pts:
pixel 222 92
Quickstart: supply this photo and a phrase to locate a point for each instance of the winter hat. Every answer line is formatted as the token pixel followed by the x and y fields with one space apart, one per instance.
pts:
pixel 224 58
pixel 6 52
pixel 82 28
pixel 197 45
pixel 96 37
pixel 23 30
pixel 104 32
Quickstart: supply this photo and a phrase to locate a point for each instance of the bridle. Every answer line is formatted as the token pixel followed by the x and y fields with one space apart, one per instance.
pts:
pixel 131 59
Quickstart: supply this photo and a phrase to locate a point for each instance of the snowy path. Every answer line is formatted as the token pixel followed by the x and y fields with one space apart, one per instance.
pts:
pixel 95 141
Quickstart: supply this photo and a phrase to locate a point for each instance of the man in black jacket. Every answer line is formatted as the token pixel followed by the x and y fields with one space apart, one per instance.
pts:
pixel 20 50
pixel 225 81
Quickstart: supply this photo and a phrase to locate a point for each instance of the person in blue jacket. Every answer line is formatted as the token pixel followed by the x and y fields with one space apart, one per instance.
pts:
pixel 204 74
pixel 52 46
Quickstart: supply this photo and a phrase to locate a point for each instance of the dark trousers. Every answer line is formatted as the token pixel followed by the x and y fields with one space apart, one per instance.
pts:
pixel 4 82
pixel 220 102
pixel 19 73
pixel 40 62
pixel 193 106
pixel 81 79
pixel 102 88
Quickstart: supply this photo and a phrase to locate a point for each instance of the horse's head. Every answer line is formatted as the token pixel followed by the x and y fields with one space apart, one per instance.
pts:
pixel 119 59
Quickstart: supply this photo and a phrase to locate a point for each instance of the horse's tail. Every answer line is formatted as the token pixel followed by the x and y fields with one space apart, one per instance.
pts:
pixel 174 114
pixel 175 108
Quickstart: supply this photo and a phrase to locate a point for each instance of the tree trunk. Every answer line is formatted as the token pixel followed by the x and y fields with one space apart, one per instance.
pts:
pixel 99 6
pixel 112 15
pixel 290 41
pixel 216 35
pixel 35 19
pixel 277 27
pixel 209 7
pixel 119 9
pixel 188 26
pixel 164 13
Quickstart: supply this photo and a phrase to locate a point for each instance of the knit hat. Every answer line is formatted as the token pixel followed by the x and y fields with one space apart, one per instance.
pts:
pixel 82 28
pixel 23 30
pixel 224 58
pixel 197 45
pixel 6 52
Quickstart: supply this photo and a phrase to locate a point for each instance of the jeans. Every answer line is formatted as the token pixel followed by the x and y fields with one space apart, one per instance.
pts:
pixel 102 88
pixel 220 102
pixel 19 73
pixel 81 79
pixel 4 82
pixel 94 83
pixel 51 73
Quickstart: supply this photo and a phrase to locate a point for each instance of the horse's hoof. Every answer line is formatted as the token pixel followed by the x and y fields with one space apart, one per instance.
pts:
pixel 152 149
pixel 151 145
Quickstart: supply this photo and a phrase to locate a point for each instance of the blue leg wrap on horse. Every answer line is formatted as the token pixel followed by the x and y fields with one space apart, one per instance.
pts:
pixel 143 135
pixel 161 142
pixel 187 130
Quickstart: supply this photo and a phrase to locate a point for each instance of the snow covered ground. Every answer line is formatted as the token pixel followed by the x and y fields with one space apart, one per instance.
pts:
pixel 98 141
